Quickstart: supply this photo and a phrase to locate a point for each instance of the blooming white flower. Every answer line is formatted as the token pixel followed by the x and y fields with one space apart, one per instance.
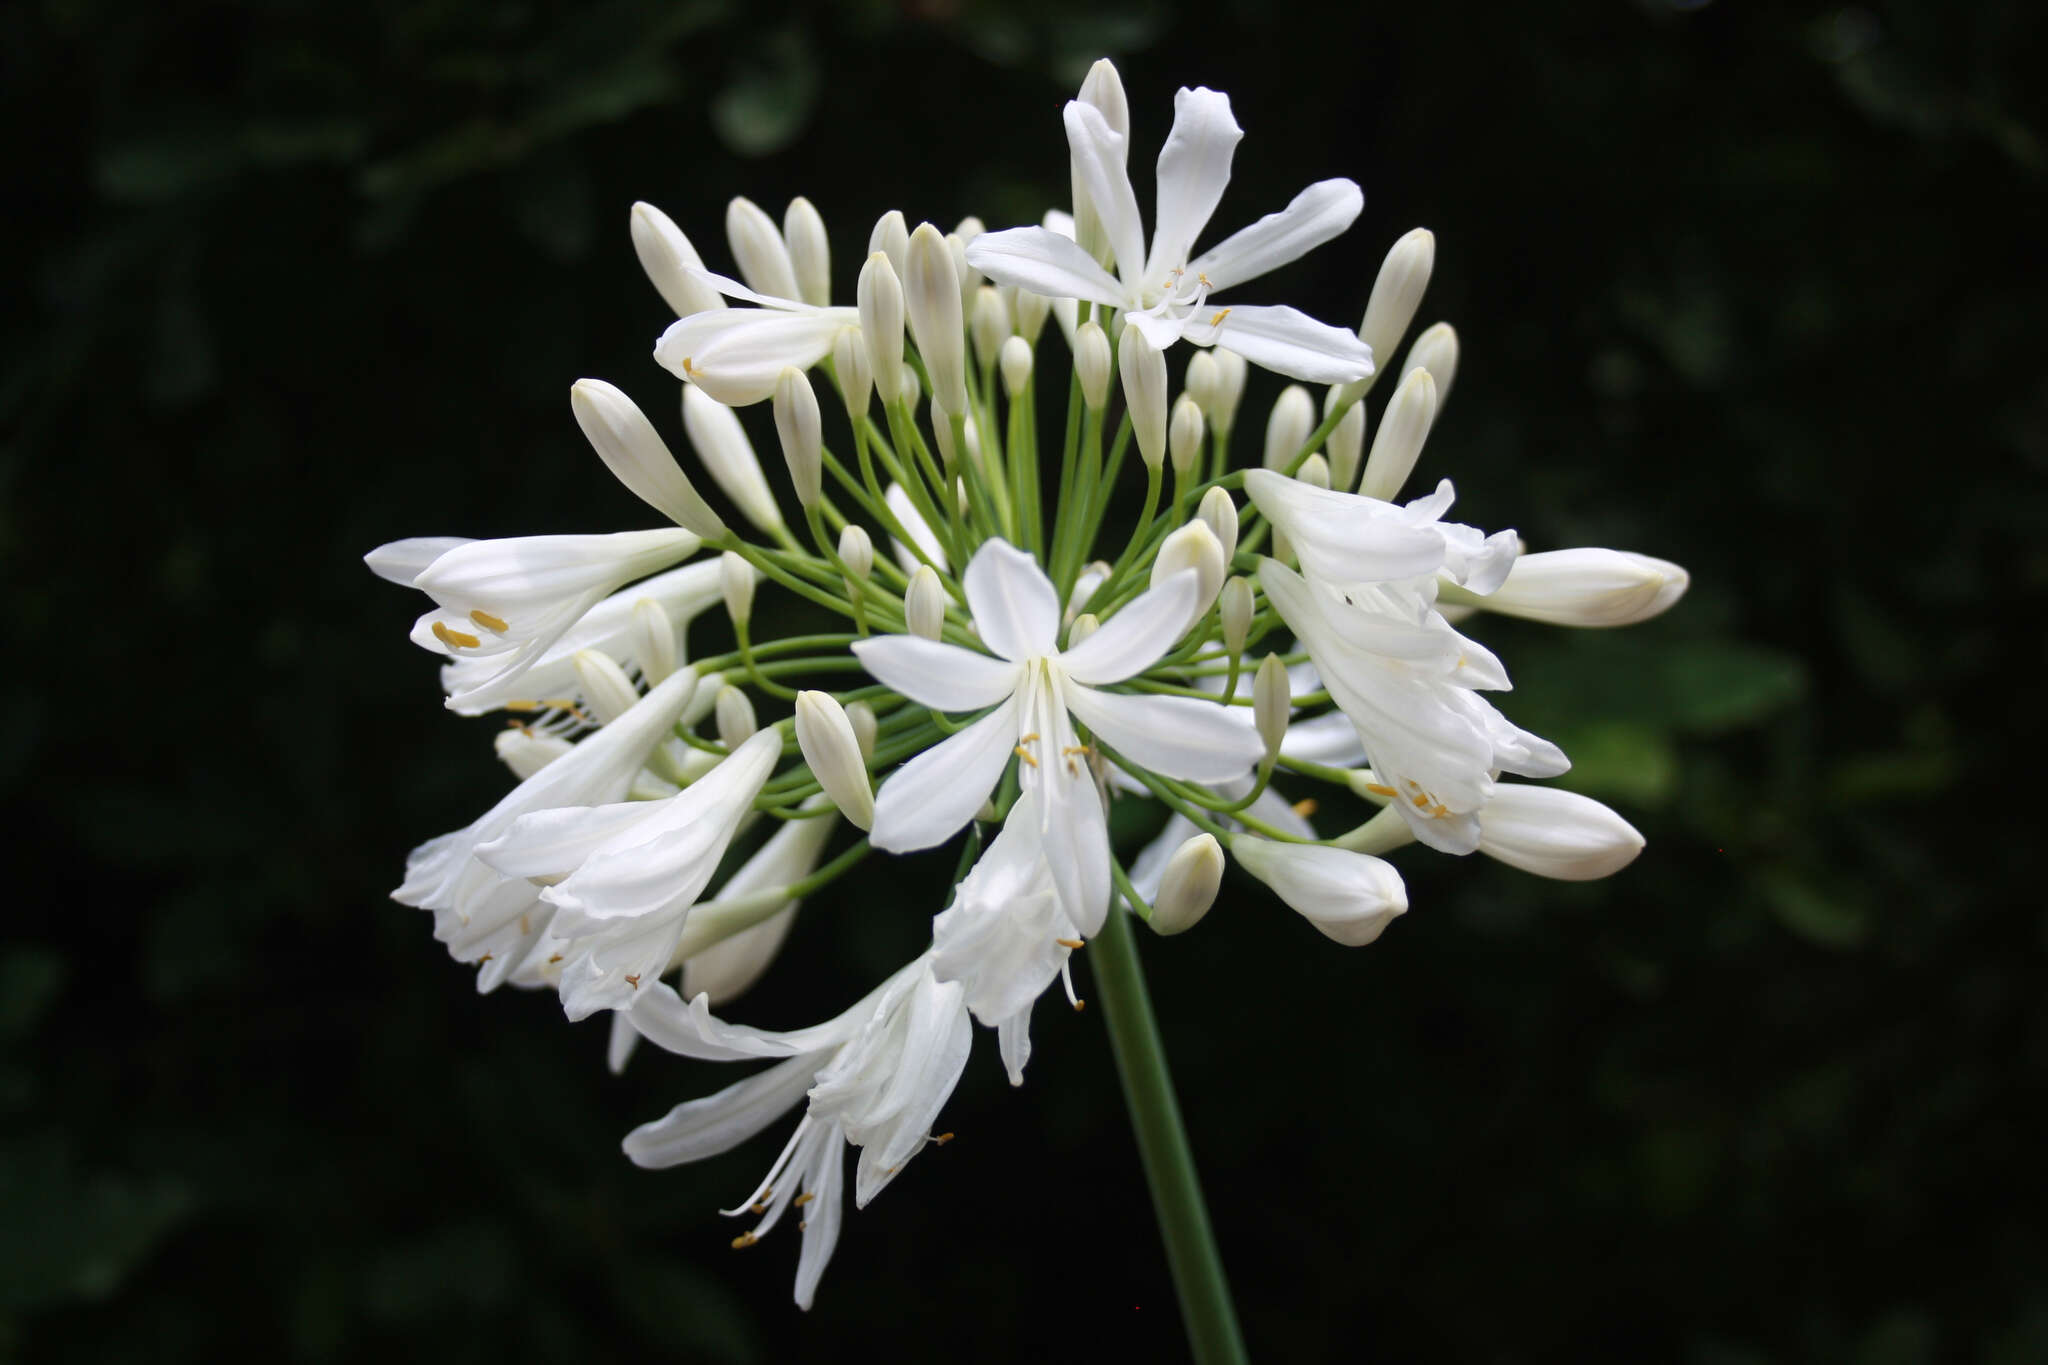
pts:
pixel 1165 292
pixel 1544 831
pixel 732 960
pixel 1033 687
pixel 1584 587
pixel 1350 897
pixel 736 354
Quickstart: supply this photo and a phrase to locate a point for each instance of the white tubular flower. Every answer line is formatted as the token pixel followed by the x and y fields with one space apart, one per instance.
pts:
pixel 673 266
pixel 526 752
pixel 1404 426
pixel 931 303
pixel 1165 292
pixel 637 456
pixel 1545 831
pixel 1347 539
pixel 1350 897
pixel 810 251
pixel 891 237
pixel 734 716
pixel 825 734
pixel 1346 445
pixel 1436 350
pixel 1092 364
pixel 1104 89
pixel 1586 587
pixel 1396 294
pixel 402 561
pixel 1188 887
pixel 1193 547
pixel 628 872
pixel 721 443
pixel 736 354
pixel 605 685
pixel 1143 366
pixel 1288 426
pixel 881 323
pixel 912 521
pixel 800 428
pixel 759 251
pixel 1314 471
pixel 729 961
pixel 1230 379
pixel 1015 360
pixel 1033 688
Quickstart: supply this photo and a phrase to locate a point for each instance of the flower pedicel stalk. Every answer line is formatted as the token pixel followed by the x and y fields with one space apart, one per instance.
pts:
pixel 1005 672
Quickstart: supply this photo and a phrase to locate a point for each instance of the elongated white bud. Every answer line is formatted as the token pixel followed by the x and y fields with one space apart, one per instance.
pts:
pixel 942 429
pixel 891 237
pixel 1015 362
pixel 1436 350
pixel 1396 294
pixel 1193 546
pixel 1314 471
pixel 1091 363
pixel 908 391
pixel 924 603
pixel 1144 373
pixel 801 430
pixel 759 251
pixel 1202 380
pixel 1403 428
pixel 861 717
pixel 1350 897
pixel 1032 311
pixel 1288 425
pixel 1272 703
pixel 1220 513
pixel 526 752
pixel 970 280
pixel 850 366
pixel 1346 445
pixel 1230 377
pixel 606 689
pixel 991 324
pixel 635 453
pixel 880 296
pixel 1103 89
pixel 810 251
pixel 1184 439
pixel 1188 886
pixel 667 257
pixel 931 303
pixel 857 551
pixel 721 443
pixel 655 647
pixel 735 717
pixel 736 584
pixel 1587 588
pixel 1085 625
pixel 1068 314
pixel 969 228
pixel 825 735
pixel 1234 606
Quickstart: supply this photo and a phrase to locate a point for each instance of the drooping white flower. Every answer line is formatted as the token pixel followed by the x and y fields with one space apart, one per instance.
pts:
pixel 733 961
pixel 1585 587
pixel 1343 539
pixel 1165 291
pixel 1545 831
pixel 1350 897
pixel 737 354
pixel 1035 688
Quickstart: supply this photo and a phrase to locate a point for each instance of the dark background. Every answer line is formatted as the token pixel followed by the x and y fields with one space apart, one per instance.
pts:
pixel 1754 287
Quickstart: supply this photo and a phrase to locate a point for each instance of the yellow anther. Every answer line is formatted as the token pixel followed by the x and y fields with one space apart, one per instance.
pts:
pixel 1221 314
pixel 1080 1005
pixel 455 639
pixel 488 621
pixel 1077 749
pixel 1203 280
pixel 1439 812
pixel 526 924
pixel 554 959
pixel 1421 800
pixel 1025 754
pixel 1305 807
pixel 561 703
pixel 1379 789
pixel 522 706
pixel 743 1241
pixel 761 1207
pixel 633 981
pixel 1070 943
pixel 485 958
pixel 690 366
pixel 942 1139
pixel 802 1199
pixel 1030 738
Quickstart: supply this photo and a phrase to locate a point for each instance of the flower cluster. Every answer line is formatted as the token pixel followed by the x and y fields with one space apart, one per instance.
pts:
pixel 1002 673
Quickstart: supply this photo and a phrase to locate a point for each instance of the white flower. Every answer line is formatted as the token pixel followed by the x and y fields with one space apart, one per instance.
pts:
pixel 1343 539
pixel 1586 587
pixel 737 354
pixel 1033 687
pixel 1188 885
pixel 1165 292
pixel 733 961
pixel 629 872
pixel 1350 897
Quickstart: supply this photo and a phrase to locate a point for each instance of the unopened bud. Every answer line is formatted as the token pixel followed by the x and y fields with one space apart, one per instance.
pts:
pixel 1230 377
pixel 810 251
pixel 735 717
pixel 855 372
pixel 1314 471
pixel 1144 373
pixel 1347 441
pixel 1288 426
pixel 942 428
pixel 668 258
pixel 1272 703
pixel 1404 426
pixel 1067 313
pixel 825 735
pixel 1436 350
pixel 655 647
pixel 966 276
pixel 635 453
pixel 857 551
pixel 1220 513
pixel 969 228
pixel 606 689
pixel 1084 626
pixel 1234 606
pixel 759 251
pixel 1188 886
pixel 736 582
pixel 1396 294
pixel 931 303
pixel 924 603
pixel 1091 363
pixel 801 430
pixel 1193 546
pixel 1015 362
pixel 526 752
pixel 861 717
pixel 1031 311
pixel 991 323
pixel 1184 439
pixel 891 237
pixel 721 443
pixel 908 391
pixel 880 296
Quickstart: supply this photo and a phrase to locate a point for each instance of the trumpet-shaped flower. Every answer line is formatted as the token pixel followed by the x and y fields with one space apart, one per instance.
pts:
pixel 737 354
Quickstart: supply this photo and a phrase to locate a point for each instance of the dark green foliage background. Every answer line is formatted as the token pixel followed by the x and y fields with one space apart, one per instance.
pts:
pixel 1757 287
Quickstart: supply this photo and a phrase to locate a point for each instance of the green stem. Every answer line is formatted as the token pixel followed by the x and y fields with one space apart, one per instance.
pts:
pixel 1205 1307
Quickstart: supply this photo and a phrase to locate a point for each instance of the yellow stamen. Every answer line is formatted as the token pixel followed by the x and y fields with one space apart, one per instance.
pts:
pixel 761 1207
pixel 488 621
pixel 1077 749
pixel 1025 754
pixel 633 981
pixel 485 958
pixel 1305 807
pixel 1030 738
pixel 942 1139
pixel 1221 314
pixel 455 639
pixel 802 1199
pixel 522 706
pixel 1080 1005
pixel 554 959
pixel 1202 279
pixel 1421 800
pixel 1070 943
pixel 1378 789
pixel 743 1241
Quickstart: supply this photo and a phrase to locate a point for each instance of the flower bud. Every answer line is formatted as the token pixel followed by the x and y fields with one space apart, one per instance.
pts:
pixel 1067 313
pixel 721 443
pixel 1555 833
pixel 891 237
pixel 667 257
pixel 1031 311
pixel 857 551
pixel 1084 626
pixel 735 717
pixel 924 603
pixel 810 252
pixel 897 499
pixel 1288 426
pixel 1272 703
pixel 1189 885
pixel 825 735
pixel 1404 426
pixel 1349 896
pixel 1103 89
pixel 969 228
pixel 606 689
pixel 1347 441
pixel 1184 439
pixel 855 374
pixel 1015 362
pixel 655 647
pixel 526 752
pixel 931 302
pixel 968 279
pixel 942 430
pixel 991 323
pixel 880 296
pixel 1091 363
pixel 1314 471
pixel 1587 587
pixel 736 582
pixel 1436 350
pixel 861 717
pixel 908 391
pixel 801 430
pixel 1234 606
pixel 1144 373
pixel 635 453
pixel 1193 546
pixel 759 251
pixel 1202 379
pixel 1093 575
pixel 1230 376
pixel 1396 294
pixel 1220 513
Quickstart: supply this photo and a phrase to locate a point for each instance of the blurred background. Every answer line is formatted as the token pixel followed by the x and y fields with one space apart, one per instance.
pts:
pixel 1754 288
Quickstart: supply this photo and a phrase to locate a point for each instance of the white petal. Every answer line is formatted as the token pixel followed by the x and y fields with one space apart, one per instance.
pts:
pixel 1198 741
pixel 1098 155
pixel 690 1029
pixel 1555 833
pixel 402 561
pixel 1159 326
pixel 718 1123
pixel 730 967
pixel 1016 609
pixel 906 513
pixel 927 800
pixel 1341 537
pixel 1194 166
pixel 1132 640
pixel 1328 739
pixel 1290 342
pixel 827 1211
pixel 737 355
pixel 1316 215
pixel 1013 1042
pixel 1076 834
pixel 936 674
pixel 1349 896
pixel 1043 262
